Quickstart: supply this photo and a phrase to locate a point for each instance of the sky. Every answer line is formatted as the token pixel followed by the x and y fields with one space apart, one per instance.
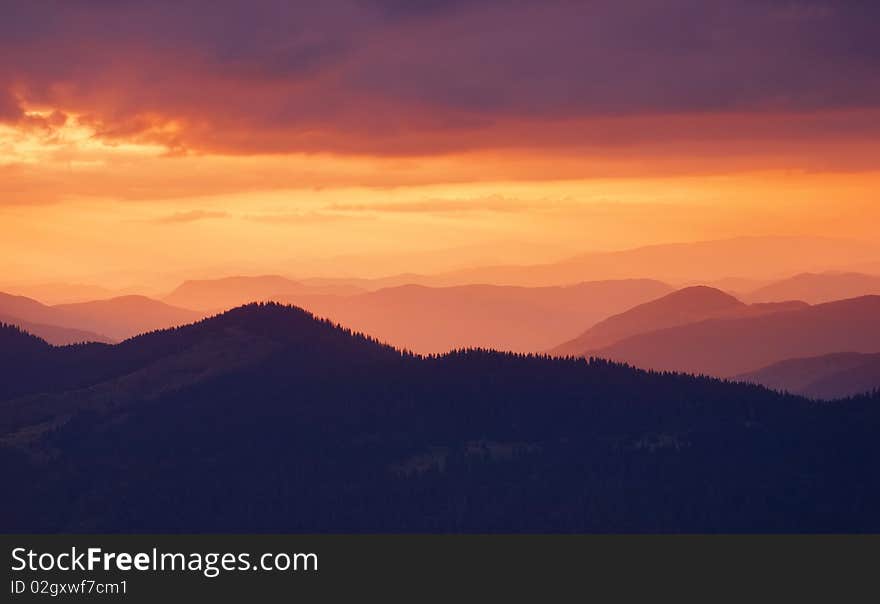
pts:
pixel 376 136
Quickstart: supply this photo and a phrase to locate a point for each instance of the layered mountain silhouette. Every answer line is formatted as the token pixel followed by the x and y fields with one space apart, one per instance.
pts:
pixel 830 376
pixel 688 305
pixel 26 309
pixel 518 319
pixel 99 320
pixel 63 293
pixel 731 346
pixel 143 366
pixel 264 419
pixel 53 334
pixel 126 316
pixel 818 288
pixel 753 257
pixel 221 294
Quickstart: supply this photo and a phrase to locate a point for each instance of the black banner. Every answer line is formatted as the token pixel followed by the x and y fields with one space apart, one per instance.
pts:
pixel 276 568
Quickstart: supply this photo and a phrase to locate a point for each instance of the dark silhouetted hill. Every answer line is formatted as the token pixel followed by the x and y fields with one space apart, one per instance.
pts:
pixel 317 429
pixel 141 366
pixel 830 376
pixel 729 347
pixel 15 341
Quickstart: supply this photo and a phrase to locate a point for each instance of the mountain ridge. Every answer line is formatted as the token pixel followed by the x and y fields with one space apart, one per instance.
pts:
pixel 330 431
pixel 832 376
pixel 513 318
pixel 817 288
pixel 684 306
pixel 729 347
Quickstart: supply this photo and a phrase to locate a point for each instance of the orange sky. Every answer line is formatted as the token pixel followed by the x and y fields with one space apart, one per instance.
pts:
pixel 79 207
pixel 143 143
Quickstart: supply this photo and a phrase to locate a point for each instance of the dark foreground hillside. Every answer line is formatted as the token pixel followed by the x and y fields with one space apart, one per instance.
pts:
pixel 265 420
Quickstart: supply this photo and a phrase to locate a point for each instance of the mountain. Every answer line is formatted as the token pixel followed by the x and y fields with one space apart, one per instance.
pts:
pixel 124 316
pixel 16 342
pixel 54 334
pixel 146 365
pixel 62 293
pixel 27 309
pixel 728 347
pixel 318 429
pixel 688 305
pixel 830 376
pixel 817 288
pixel 519 319
pixel 732 285
pixel 683 306
pixel 100 320
pixel 744 257
pixel 227 292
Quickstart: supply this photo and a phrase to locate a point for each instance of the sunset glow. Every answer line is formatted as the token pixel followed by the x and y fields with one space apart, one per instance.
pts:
pixel 283 151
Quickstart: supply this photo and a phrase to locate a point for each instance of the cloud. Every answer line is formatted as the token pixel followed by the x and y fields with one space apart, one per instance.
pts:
pixel 493 203
pixel 10 111
pixel 190 216
pixel 312 217
pixel 427 77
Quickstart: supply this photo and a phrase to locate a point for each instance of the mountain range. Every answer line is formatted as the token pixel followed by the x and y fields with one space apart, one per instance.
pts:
pixel 767 258
pixel 818 288
pixel 830 376
pixel 220 294
pixel 684 306
pixel 728 347
pixel 519 319
pixel 98 320
pixel 53 334
pixel 264 419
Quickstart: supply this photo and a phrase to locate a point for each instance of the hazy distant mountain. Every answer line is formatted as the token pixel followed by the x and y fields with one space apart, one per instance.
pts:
pixel 63 293
pixel 321 430
pixel 683 306
pixel 729 347
pixel 124 316
pixel 112 319
pixel 53 334
pixel 318 284
pixel 731 285
pixel 519 319
pixel 227 292
pixel 818 288
pixel 688 305
pixel 27 309
pixel 746 257
pixel 378 265
pixel 831 376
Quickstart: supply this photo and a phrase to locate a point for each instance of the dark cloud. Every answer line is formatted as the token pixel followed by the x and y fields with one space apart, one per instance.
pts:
pixel 410 9
pixel 388 76
pixel 10 111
